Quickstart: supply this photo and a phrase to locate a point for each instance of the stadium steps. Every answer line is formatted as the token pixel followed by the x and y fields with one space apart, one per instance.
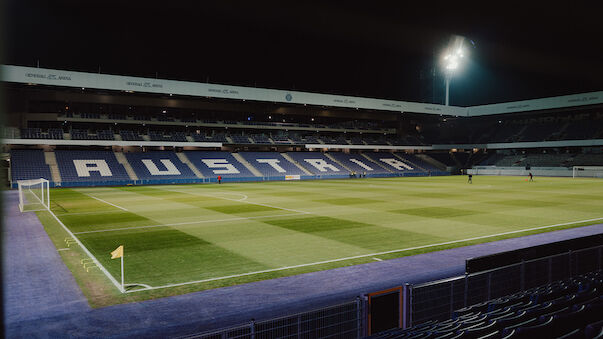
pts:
pixel 286 156
pixel 431 161
pixel 190 165
pixel 456 160
pixel 66 136
pixel 376 163
pixel 190 139
pixel 247 164
pixel 408 161
pixel 229 140
pixel 51 160
pixel 145 137
pixel 337 162
pixel 117 137
pixel 121 158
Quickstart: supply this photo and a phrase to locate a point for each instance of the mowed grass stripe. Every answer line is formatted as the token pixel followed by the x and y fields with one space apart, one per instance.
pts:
pixel 368 236
pixel 165 256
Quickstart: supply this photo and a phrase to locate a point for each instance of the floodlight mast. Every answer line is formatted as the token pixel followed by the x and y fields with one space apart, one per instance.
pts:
pixel 452 59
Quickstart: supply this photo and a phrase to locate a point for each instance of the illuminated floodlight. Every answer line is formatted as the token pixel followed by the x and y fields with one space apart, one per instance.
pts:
pixel 453 57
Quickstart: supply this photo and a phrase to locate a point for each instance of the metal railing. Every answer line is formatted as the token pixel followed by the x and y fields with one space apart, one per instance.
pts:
pixel 340 321
pixel 437 300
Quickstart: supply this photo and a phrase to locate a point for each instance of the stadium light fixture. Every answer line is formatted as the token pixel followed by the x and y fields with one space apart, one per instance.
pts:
pixel 452 60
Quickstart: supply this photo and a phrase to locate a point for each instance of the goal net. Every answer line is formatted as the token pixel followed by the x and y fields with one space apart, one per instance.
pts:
pixel 588 171
pixel 34 195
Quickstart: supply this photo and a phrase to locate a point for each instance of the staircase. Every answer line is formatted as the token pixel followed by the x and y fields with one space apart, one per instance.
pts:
pixel 431 161
pixel 121 158
pixel 297 164
pixel 376 163
pixel 337 162
pixel 51 160
pixel 247 164
pixel 190 165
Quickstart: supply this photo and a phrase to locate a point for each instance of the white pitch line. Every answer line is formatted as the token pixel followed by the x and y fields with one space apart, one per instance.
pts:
pixel 101 267
pixel 365 255
pixel 64 249
pixel 106 202
pixel 242 200
pixel 378 259
pixel 189 223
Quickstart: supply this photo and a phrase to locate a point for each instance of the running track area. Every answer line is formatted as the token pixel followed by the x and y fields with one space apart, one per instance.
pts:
pixel 41 298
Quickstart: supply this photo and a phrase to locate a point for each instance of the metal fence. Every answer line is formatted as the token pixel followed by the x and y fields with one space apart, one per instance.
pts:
pixel 438 300
pixel 340 321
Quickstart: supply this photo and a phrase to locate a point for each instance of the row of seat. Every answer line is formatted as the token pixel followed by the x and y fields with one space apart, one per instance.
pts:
pixel 89 166
pixel 571 308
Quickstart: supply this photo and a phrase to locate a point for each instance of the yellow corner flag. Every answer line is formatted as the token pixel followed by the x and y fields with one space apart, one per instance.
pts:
pixel 118 253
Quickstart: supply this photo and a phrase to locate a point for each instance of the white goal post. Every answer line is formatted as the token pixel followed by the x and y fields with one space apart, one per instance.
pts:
pixel 587 172
pixel 34 195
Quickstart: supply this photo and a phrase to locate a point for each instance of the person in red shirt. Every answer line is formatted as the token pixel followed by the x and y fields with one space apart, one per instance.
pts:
pixel 219 179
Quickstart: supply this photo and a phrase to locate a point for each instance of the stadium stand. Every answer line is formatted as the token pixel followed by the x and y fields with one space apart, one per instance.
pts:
pixel 130 136
pixel 392 163
pixel 318 163
pixel 213 164
pixel 28 164
pixel 358 163
pixel 418 163
pixel 271 164
pixel 89 167
pixel 159 165
pixel 565 308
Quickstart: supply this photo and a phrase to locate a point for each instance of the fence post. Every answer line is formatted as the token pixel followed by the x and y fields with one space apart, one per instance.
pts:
pixel 358 318
pixel 466 290
pixel 299 326
pixel 410 308
pixel 252 328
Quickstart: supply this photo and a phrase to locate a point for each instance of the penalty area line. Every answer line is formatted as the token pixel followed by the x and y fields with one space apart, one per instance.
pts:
pixel 365 255
pixel 106 202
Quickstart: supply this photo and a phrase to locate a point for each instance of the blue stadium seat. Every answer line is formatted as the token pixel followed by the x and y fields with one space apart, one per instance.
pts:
pixel 264 162
pixel 28 164
pixel 159 165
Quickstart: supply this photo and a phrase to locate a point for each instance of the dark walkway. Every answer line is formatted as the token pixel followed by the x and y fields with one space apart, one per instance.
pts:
pixel 42 299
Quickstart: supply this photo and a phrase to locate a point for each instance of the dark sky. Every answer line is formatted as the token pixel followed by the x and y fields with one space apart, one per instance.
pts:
pixel 373 49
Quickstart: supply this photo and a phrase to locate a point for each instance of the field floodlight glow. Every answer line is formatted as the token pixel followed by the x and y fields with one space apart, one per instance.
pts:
pixel 453 56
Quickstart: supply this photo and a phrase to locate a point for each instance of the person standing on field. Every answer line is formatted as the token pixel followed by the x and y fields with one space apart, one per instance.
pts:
pixel 219 179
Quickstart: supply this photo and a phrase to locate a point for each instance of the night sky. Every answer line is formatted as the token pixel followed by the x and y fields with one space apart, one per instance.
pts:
pixel 373 49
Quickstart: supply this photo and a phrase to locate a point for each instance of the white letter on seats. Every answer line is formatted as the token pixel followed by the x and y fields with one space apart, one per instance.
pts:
pixel 273 163
pixel 220 163
pixel 397 164
pixel 361 164
pixel 321 165
pixel 84 167
pixel 170 167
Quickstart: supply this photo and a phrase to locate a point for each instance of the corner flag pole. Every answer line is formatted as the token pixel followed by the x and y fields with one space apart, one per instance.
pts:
pixel 119 253
pixel 122 273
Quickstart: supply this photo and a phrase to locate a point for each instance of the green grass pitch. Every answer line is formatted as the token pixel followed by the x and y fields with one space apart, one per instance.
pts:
pixel 182 238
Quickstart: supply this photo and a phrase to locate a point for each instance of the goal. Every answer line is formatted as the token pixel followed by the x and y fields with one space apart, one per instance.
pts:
pixel 587 171
pixel 34 195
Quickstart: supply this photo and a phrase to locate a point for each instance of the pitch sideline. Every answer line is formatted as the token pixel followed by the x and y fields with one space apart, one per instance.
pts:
pixel 364 255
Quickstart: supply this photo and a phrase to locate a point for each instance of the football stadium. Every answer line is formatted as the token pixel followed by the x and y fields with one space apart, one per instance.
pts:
pixel 184 207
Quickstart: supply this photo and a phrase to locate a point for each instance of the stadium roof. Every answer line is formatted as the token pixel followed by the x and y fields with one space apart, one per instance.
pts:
pixel 376 50
pixel 52 77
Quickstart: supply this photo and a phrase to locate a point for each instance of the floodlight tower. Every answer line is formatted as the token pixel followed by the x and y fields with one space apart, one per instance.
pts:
pixel 452 60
